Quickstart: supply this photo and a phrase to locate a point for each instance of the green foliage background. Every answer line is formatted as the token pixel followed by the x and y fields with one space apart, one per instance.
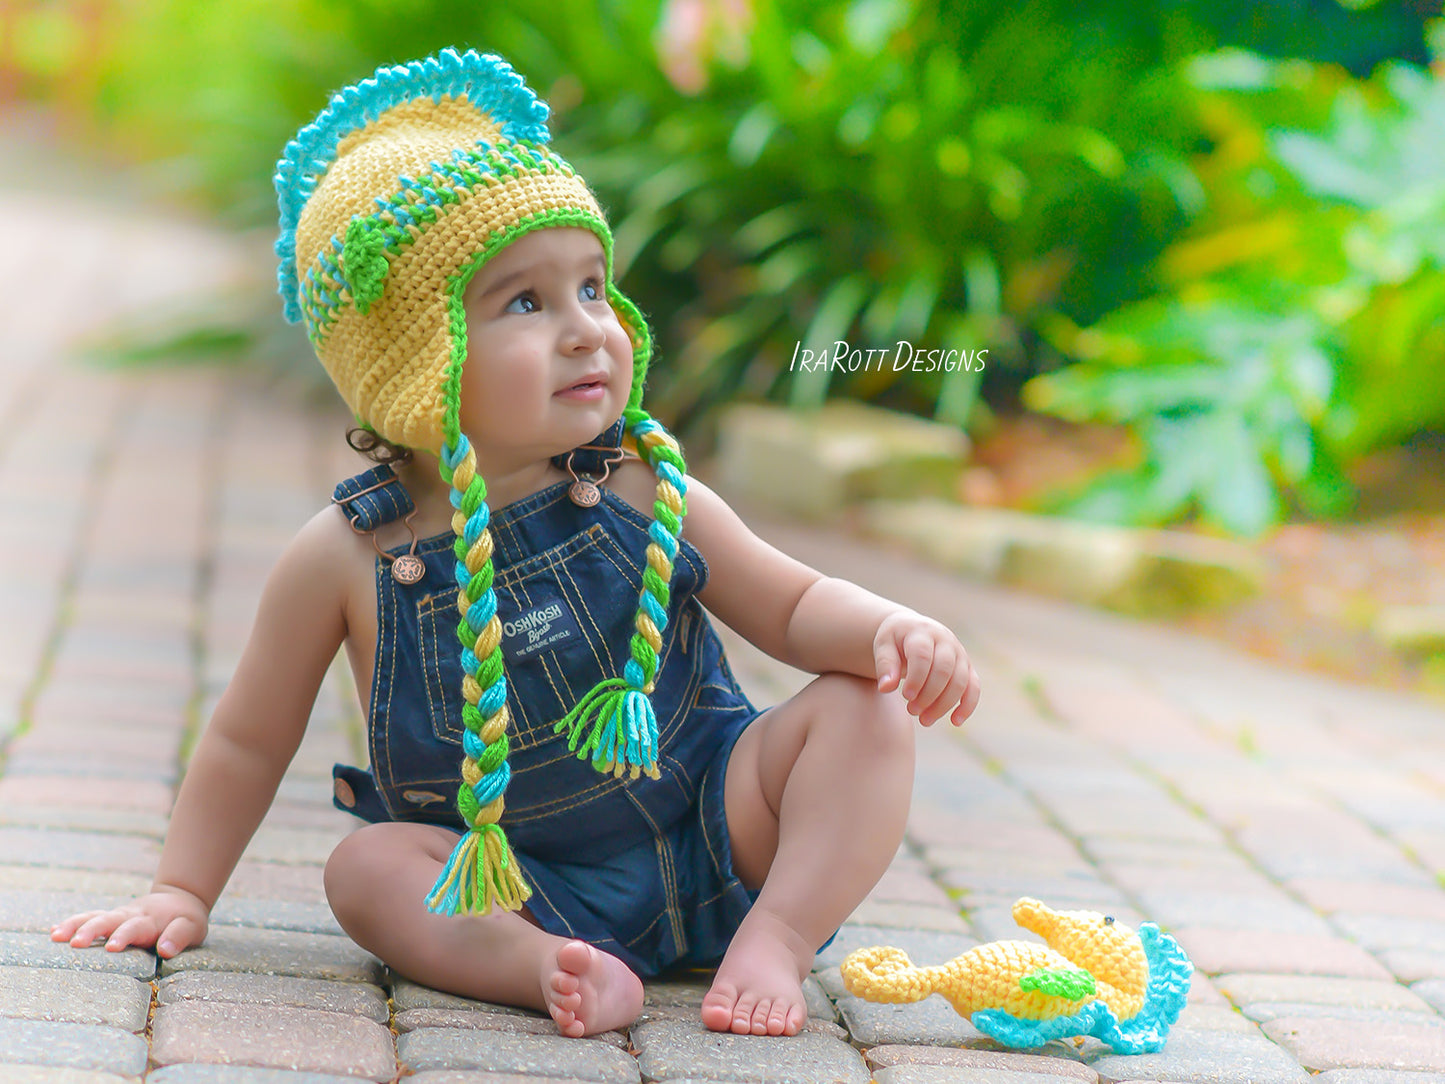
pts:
pixel 1237 257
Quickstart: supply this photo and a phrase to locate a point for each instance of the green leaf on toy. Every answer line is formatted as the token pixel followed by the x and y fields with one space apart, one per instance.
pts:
pixel 1066 982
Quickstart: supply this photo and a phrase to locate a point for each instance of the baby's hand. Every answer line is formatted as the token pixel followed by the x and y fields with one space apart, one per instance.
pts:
pixel 927 663
pixel 171 919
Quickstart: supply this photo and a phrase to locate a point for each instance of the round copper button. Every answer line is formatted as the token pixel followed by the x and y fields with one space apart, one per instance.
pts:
pixel 344 794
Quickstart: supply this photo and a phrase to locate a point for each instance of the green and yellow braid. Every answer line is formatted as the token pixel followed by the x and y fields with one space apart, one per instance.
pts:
pixel 623 734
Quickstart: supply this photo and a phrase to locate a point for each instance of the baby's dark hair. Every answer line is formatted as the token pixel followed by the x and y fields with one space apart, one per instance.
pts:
pixel 376 447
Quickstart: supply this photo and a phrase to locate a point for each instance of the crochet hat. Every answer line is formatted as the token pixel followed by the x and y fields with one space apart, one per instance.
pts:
pixel 391 200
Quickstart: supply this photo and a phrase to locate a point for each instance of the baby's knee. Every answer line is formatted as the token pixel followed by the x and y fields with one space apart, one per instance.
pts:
pixel 881 719
pixel 351 875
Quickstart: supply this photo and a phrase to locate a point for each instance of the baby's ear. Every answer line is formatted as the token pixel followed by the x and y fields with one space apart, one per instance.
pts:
pixel 363 259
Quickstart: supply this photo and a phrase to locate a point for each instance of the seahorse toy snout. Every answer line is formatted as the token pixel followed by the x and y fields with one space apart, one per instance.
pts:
pixel 1094 977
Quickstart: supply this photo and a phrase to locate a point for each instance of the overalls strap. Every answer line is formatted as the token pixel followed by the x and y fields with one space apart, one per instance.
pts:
pixel 372 498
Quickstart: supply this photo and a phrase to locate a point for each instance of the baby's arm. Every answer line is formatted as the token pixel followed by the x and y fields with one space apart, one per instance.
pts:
pixel 818 623
pixel 240 759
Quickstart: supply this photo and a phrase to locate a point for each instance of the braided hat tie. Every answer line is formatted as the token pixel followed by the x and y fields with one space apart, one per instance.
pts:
pixel 391 201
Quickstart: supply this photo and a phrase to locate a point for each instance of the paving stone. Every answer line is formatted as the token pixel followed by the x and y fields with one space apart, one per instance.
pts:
pixel 930 1021
pixel 511 1023
pixel 238 1074
pixel 78 850
pixel 38 1074
pixel 1431 991
pixel 97 792
pixel 76 997
pixel 1377 1076
pixel 1248 990
pixel 127 822
pixel 273 881
pixel 1414 965
pixel 406 994
pixel 37 912
pixel 1371 897
pixel 114 886
pixel 944 1074
pixel 71 1046
pixel 947 1074
pixel 37 950
pixel 1214 1018
pixel 276 915
pixel 883 1057
pixel 1324 1043
pixel 1265 1012
pixel 912 916
pixel 922 946
pixel 1218 951
pixel 88 763
pixel 347 998
pixel 472 1076
pixel 279 952
pixel 1380 932
pixel 1208 1057
pixel 1229 910
pixel 1057 885
pixel 293 846
pixel 272 1037
pixel 677 1049
pixel 526 1055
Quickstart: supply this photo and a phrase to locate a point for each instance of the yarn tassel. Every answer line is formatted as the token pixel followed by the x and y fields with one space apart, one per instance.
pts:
pixel 481 871
pixel 623 734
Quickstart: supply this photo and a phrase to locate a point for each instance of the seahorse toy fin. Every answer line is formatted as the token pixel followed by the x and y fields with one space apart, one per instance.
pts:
pixel 1094 977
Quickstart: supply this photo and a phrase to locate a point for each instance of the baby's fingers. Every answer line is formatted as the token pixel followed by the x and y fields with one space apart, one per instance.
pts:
pixel 139 930
pixel 888 664
pixel 935 709
pixel 969 701
pixel 180 933
pixel 65 929
pixel 96 924
pixel 918 651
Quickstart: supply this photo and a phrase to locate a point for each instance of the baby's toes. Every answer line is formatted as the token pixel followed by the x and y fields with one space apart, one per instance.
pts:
pixel 760 1017
pixel 565 984
pixel 779 1018
pixel 743 1013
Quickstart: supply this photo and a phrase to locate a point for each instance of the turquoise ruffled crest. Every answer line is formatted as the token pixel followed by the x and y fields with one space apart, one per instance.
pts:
pixel 488 81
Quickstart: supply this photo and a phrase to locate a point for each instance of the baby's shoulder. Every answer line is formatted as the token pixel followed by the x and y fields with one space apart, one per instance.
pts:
pixel 634 482
pixel 327 544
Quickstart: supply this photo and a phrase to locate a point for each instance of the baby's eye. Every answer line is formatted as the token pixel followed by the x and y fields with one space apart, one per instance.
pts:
pixel 522 303
pixel 591 290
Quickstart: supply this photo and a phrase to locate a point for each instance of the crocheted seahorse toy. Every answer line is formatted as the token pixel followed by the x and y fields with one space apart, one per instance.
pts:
pixel 1094 977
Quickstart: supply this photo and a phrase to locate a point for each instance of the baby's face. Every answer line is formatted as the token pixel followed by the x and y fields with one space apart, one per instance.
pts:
pixel 549 365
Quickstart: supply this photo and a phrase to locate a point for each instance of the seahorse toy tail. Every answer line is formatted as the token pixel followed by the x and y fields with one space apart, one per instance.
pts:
pixel 887 974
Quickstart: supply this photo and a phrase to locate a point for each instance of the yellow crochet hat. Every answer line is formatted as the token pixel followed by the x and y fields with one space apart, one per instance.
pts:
pixel 390 201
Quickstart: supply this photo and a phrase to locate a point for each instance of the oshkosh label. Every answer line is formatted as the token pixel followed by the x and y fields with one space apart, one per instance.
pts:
pixel 542 628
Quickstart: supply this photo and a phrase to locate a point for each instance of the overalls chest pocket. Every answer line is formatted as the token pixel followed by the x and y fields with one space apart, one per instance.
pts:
pixel 566 618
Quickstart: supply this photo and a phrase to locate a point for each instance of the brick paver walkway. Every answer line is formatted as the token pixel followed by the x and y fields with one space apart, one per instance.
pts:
pixel 1289 830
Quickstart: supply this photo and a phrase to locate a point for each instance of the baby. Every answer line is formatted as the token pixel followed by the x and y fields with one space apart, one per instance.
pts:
pixel 568 791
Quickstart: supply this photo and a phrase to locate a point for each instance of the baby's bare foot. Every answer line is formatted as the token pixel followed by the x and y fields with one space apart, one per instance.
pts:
pixel 759 985
pixel 588 991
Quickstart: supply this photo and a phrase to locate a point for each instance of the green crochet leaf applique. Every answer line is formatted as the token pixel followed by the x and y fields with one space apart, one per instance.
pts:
pixel 1066 982
pixel 363 259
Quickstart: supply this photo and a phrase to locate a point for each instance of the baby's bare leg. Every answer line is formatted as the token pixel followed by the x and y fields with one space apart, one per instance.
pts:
pixel 377 881
pixel 817 797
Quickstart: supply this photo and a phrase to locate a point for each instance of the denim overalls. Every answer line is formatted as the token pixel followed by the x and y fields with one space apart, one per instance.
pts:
pixel 641 868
